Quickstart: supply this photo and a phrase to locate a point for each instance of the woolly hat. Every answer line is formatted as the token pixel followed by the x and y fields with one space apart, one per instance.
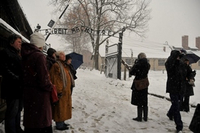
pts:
pixel 37 39
pixel 141 55
pixel 68 57
pixel 50 51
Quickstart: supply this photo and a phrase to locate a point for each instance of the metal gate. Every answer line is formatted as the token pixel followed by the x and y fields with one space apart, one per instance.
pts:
pixel 113 61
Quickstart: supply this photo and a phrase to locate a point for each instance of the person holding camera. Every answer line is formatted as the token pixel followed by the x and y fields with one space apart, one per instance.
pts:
pixel 139 87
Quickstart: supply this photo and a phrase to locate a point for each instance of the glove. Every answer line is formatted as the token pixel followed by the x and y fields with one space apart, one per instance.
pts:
pixel 194 72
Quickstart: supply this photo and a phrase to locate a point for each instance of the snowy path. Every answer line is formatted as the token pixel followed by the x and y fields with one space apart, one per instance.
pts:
pixel 102 105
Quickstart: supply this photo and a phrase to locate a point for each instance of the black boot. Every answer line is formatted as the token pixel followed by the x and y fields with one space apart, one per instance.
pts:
pixel 139 114
pixel 145 111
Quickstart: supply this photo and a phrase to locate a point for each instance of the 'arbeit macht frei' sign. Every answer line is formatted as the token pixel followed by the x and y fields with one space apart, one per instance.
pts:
pixel 76 30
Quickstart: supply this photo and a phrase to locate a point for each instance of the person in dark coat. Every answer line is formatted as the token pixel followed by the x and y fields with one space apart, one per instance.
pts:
pixel 68 62
pixel 51 58
pixel 11 70
pixel 175 86
pixel 140 97
pixel 189 87
pixel 37 87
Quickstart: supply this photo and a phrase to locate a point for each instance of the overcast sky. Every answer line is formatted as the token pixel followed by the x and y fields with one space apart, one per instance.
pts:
pixel 170 20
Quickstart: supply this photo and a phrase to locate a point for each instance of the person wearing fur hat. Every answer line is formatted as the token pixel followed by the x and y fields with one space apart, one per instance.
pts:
pixel 51 58
pixel 139 98
pixel 37 87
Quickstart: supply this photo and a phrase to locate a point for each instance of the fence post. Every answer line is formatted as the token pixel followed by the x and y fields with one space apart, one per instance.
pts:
pixel 124 73
pixel 120 54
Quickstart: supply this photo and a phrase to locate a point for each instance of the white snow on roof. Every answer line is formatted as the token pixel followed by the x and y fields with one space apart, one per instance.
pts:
pixel 151 49
pixel 9 28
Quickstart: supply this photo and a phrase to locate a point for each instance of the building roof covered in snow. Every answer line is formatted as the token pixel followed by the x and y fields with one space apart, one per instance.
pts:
pixel 130 46
pixel 13 19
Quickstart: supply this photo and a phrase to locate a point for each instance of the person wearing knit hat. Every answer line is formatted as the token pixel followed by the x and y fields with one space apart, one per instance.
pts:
pixel 37 87
pixel 38 40
pixel 51 57
pixel 51 51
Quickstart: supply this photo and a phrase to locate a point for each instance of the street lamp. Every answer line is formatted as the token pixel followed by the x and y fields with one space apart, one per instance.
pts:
pixel 166 43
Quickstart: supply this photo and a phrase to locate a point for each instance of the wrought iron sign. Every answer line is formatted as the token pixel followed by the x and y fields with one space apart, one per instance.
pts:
pixel 65 31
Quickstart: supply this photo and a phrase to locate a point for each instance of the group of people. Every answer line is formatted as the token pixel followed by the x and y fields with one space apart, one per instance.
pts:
pixel 28 80
pixel 180 82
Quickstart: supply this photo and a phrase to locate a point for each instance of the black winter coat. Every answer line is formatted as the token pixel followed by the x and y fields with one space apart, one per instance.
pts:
pixel 140 69
pixel 37 88
pixel 50 62
pixel 189 88
pixel 73 71
pixel 11 70
pixel 176 74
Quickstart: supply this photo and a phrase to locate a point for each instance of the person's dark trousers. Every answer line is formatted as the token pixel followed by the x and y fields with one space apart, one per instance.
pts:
pixel 186 103
pixel 38 130
pixel 139 114
pixel 175 110
pixel 145 111
pixel 13 115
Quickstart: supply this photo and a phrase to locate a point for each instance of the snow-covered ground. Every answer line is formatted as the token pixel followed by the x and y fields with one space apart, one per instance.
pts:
pixel 102 105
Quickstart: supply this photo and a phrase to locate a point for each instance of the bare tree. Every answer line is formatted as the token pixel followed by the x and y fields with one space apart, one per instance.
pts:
pixel 110 15
pixel 78 42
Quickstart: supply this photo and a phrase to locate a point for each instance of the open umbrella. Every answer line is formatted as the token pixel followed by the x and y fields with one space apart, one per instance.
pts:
pixel 191 56
pixel 77 59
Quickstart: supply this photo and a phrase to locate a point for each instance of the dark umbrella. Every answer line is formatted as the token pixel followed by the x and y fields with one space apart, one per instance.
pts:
pixel 77 59
pixel 192 57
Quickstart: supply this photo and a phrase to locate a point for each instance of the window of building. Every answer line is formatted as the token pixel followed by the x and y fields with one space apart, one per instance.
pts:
pixel 161 62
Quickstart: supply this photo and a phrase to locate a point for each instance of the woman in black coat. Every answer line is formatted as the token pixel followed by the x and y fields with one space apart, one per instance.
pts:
pixel 189 87
pixel 68 62
pixel 51 58
pixel 139 97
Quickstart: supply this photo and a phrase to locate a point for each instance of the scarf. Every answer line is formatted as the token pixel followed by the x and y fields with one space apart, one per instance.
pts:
pixel 63 74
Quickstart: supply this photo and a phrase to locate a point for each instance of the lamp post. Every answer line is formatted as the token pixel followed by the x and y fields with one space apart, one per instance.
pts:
pixel 131 56
pixel 166 43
